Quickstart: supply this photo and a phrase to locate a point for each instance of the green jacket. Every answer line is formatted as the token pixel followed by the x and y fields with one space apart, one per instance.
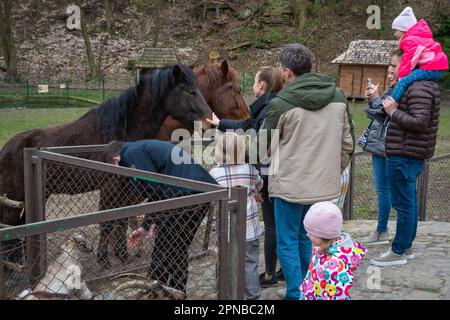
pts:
pixel 311 91
pixel 313 142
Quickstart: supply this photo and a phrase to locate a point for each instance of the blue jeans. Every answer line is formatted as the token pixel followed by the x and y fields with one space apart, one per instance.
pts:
pixel 380 181
pixel 294 248
pixel 402 175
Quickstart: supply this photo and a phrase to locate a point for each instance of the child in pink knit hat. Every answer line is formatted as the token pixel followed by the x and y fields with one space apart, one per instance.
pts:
pixel 335 255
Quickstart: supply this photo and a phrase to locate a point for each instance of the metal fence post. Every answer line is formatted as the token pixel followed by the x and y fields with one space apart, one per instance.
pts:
pixel 103 88
pixel 348 202
pixel 422 191
pixel 238 226
pixel 67 92
pixel 35 245
pixel 28 91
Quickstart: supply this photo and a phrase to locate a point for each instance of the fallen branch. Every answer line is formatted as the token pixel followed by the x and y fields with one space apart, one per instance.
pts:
pixel 14 266
pixel 11 203
pixel 241 45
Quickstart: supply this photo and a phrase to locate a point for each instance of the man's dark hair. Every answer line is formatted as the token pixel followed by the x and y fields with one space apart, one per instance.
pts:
pixel 112 150
pixel 296 57
pixel 397 52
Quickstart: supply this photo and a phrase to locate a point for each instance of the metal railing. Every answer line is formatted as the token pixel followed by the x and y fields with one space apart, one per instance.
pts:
pixel 80 202
pixel 433 190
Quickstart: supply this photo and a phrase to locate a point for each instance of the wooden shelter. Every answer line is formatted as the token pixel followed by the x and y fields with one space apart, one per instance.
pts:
pixel 364 59
pixel 154 58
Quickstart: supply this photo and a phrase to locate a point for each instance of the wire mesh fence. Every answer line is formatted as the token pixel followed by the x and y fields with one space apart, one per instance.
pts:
pixel 57 93
pixel 176 258
pixel 438 189
pixel 433 190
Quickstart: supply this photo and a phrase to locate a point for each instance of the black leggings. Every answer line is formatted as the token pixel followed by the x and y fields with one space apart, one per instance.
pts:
pixel 270 239
pixel 170 255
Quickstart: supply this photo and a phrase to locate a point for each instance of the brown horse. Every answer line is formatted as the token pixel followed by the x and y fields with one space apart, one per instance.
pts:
pixel 221 91
pixel 136 114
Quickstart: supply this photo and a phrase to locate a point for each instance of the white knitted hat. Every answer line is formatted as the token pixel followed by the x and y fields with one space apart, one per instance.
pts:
pixel 405 20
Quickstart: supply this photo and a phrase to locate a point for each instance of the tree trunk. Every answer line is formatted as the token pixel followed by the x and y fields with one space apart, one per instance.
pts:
pixel 108 16
pixel 299 8
pixel 7 40
pixel 90 56
pixel 157 19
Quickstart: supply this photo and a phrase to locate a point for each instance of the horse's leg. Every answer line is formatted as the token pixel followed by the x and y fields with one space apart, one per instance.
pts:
pixel 120 245
pixel 186 226
pixel 13 250
pixel 102 250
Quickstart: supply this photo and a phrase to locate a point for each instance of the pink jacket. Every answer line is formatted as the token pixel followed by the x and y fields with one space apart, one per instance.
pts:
pixel 330 275
pixel 421 50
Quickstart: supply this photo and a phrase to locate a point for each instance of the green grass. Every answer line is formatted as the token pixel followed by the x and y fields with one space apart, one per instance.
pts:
pixel 443 143
pixel 13 121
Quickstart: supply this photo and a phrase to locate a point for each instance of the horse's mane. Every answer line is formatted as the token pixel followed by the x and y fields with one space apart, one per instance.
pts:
pixel 112 115
pixel 215 75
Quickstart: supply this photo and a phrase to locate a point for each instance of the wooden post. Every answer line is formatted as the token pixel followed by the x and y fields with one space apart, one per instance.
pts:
pixel 34 254
pixel 422 192
pixel 238 226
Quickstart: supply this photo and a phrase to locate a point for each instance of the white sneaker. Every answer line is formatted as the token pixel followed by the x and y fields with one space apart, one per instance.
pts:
pixel 282 293
pixel 409 254
pixel 389 258
pixel 377 238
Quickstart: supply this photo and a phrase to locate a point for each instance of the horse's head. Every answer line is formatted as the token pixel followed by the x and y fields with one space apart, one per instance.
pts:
pixel 185 103
pixel 138 113
pixel 221 91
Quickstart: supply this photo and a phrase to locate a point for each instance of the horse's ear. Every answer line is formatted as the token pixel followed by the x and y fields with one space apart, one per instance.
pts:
pixel 177 73
pixel 225 68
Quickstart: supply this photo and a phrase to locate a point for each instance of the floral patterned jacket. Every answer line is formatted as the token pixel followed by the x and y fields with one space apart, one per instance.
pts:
pixel 330 275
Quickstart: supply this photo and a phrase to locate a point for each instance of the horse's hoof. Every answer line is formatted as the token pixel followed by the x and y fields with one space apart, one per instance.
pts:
pixel 104 265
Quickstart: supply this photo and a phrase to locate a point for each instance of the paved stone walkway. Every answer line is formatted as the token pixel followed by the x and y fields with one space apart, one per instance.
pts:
pixel 426 277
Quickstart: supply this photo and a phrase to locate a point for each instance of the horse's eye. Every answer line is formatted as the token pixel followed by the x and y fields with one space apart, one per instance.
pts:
pixel 191 92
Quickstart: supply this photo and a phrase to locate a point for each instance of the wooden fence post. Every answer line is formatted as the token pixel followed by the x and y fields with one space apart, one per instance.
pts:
pixel 34 212
pixel 238 226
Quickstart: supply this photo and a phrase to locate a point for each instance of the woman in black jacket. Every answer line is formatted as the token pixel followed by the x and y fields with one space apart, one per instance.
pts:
pixel 268 81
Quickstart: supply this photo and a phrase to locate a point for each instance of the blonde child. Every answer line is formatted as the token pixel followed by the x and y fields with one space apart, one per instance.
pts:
pixel 335 255
pixel 230 171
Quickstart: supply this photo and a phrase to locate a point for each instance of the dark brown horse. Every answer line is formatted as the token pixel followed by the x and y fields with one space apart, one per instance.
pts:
pixel 136 114
pixel 222 93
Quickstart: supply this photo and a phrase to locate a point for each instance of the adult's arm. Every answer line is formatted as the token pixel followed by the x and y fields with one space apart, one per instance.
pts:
pixel 347 142
pixel 226 124
pixel 420 100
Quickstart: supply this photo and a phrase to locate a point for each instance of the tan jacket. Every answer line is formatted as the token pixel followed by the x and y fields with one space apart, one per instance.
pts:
pixel 314 145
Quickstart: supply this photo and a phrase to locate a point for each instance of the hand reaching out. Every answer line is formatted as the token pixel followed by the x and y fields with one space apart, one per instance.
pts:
pixel 214 121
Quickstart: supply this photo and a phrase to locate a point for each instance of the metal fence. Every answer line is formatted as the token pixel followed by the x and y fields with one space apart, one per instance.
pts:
pixel 60 93
pixel 63 93
pixel 433 190
pixel 80 213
